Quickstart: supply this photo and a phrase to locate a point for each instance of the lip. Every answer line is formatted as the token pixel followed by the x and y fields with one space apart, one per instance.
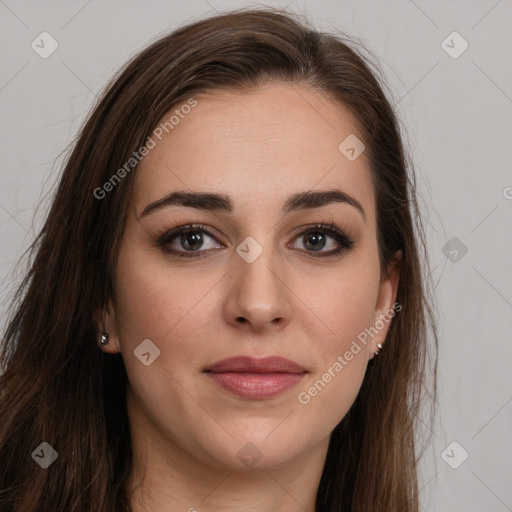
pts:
pixel 248 364
pixel 255 378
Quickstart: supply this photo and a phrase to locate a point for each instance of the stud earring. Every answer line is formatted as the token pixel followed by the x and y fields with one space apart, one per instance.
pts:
pixel 104 338
pixel 379 346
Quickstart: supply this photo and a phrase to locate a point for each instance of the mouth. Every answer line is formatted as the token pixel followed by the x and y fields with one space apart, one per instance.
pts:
pixel 255 378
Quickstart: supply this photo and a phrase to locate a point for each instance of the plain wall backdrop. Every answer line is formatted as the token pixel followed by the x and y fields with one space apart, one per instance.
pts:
pixel 448 67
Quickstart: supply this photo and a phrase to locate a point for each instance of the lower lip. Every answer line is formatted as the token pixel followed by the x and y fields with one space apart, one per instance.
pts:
pixel 256 385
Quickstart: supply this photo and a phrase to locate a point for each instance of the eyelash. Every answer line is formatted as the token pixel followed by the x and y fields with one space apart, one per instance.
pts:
pixel 344 241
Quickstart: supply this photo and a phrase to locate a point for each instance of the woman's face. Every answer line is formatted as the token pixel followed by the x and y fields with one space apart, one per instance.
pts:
pixel 260 281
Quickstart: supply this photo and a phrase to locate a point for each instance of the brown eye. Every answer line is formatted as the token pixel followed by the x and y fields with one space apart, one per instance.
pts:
pixel 187 240
pixel 316 239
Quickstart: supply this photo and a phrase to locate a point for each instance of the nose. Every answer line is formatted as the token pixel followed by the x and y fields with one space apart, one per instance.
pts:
pixel 259 295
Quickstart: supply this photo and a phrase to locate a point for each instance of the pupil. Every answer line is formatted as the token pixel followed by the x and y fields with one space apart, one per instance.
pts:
pixel 316 237
pixel 192 240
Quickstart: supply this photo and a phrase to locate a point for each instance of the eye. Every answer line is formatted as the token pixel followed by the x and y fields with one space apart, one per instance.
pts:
pixel 316 238
pixel 188 241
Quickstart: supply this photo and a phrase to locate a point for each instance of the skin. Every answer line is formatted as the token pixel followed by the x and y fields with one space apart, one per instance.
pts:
pixel 258 147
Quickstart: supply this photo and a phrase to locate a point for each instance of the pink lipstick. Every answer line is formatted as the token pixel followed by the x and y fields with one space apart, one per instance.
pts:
pixel 255 378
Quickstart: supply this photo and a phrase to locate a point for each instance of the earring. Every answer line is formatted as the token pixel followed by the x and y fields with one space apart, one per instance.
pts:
pixel 379 346
pixel 104 338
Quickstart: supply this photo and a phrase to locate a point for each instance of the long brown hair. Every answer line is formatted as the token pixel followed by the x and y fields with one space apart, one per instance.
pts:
pixel 58 387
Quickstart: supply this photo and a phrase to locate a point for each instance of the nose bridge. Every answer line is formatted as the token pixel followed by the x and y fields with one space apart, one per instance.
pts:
pixel 258 293
pixel 258 259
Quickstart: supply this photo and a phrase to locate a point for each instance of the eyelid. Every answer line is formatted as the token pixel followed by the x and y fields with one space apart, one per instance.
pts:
pixel 329 227
pixel 172 233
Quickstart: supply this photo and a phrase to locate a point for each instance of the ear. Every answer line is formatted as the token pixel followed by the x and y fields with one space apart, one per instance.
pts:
pixel 384 308
pixel 106 323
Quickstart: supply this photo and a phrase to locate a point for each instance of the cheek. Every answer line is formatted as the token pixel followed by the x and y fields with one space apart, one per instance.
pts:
pixel 162 304
pixel 335 383
pixel 150 300
pixel 348 317
pixel 347 307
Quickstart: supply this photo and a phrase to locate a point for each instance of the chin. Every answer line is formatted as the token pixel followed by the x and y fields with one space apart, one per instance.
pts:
pixel 257 451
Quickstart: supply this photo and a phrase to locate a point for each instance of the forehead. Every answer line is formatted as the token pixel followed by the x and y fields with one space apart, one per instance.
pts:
pixel 258 147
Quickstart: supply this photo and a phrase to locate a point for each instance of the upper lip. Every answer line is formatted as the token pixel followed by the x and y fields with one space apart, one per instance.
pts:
pixel 245 364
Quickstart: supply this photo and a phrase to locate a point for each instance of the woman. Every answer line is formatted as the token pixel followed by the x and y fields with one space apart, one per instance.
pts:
pixel 230 245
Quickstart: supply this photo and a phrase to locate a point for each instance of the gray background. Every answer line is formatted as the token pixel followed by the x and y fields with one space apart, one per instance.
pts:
pixel 457 113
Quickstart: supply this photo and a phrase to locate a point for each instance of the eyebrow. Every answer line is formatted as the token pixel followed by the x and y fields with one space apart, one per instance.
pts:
pixel 221 202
